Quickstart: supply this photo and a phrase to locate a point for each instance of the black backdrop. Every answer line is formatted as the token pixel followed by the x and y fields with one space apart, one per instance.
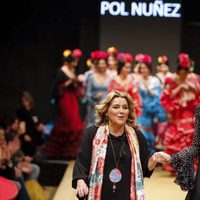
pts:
pixel 34 34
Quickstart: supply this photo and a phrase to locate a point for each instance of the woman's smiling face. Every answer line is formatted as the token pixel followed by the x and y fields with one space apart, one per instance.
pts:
pixel 118 111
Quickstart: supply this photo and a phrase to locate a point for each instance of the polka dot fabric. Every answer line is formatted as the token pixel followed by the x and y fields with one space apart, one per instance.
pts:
pixel 183 162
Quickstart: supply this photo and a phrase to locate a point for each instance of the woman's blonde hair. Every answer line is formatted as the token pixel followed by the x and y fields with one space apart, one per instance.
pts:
pixel 102 108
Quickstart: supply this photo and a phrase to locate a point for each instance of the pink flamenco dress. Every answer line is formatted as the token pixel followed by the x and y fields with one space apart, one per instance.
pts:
pixel 180 113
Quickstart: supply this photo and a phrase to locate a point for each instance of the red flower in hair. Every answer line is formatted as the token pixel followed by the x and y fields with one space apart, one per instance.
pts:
pixel 183 56
pixel 147 59
pixel 77 53
pixel 99 55
pixel 102 55
pixel 125 57
pixel 139 57
pixel 162 59
pixel 112 50
pixel 185 63
pixel 128 58
pixel 184 60
pixel 165 59
pixel 120 56
pixel 168 80
pixel 94 54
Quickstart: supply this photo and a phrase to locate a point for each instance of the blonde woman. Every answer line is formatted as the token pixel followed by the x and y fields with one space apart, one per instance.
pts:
pixel 113 157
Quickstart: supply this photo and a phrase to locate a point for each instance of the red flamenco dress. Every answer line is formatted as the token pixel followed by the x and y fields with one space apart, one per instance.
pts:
pixel 64 140
pixel 180 111
pixel 132 89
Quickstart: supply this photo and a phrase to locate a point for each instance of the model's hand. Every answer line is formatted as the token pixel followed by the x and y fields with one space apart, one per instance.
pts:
pixel 162 157
pixel 98 95
pixel 158 157
pixel 82 188
pixel 185 86
pixel 81 78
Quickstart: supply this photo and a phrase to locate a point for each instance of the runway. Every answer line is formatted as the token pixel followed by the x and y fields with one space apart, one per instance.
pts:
pixel 160 186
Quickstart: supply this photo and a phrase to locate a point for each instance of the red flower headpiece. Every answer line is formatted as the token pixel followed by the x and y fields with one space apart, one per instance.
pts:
pixel 168 80
pixel 139 57
pixel 120 56
pixel 98 55
pixel 184 60
pixel 147 59
pixel 77 53
pixel 128 58
pixel 125 57
pixel 162 59
pixel 112 50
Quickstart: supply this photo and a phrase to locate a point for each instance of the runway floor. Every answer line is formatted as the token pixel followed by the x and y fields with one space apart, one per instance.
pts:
pixel 160 186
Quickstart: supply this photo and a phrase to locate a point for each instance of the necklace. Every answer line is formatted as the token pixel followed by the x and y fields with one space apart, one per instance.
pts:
pixel 115 175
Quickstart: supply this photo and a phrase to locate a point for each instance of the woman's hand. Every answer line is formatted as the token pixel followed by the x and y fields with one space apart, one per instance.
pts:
pixel 28 159
pixel 192 87
pixel 185 86
pixel 176 90
pixel 162 157
pixel 98 95
pixel 81 189
pixel 81 78
pixel 25 167
pixel 27 138
pixel 158 157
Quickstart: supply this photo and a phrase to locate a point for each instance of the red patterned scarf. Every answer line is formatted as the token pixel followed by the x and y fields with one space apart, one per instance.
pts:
pixel 99 149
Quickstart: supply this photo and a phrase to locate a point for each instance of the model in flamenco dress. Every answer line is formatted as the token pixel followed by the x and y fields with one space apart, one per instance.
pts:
pixel 125 82
pixel 150 90
pixel 97 84
pixel 64 140
pixel 180 97
pixel 163 69
pixel 163 72
pixel 112 61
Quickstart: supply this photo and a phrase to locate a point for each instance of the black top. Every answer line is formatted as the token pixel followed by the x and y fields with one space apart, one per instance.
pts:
pixel 59 90
pixel 82 165
pixel 32 120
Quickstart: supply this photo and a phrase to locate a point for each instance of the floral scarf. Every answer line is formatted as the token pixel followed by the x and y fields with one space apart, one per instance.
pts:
pixel 99 148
